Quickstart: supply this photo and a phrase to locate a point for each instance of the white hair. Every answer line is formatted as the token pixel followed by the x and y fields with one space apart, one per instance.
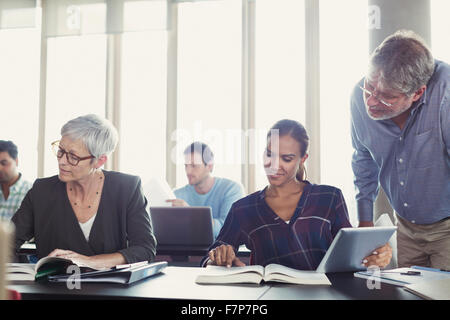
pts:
pixel 404 62
pixel 97 133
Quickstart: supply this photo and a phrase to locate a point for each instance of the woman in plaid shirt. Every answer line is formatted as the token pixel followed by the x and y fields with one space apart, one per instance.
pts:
pixel 291 221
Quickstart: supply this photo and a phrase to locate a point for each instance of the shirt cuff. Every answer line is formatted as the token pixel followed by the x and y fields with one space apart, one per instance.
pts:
pixel 365 210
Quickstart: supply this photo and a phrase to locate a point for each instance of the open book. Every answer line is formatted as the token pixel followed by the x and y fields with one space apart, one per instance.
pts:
pixel 55 269
pixel 42 269
pixel 257 274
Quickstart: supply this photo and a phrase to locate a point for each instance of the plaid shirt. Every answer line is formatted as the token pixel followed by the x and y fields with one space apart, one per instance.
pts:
pixel 301 243
pixel 16 194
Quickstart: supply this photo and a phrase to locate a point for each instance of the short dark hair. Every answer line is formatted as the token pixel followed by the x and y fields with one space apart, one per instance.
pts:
pixel 9 147
pixel 201 148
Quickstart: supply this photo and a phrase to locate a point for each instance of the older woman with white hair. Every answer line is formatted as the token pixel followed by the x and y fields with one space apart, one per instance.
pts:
pixel 85 213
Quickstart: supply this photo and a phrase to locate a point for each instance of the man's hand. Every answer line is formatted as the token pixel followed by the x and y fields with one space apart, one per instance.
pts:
pixel 178 203
pixel 224 256
pixel 380 257
pixel 363 224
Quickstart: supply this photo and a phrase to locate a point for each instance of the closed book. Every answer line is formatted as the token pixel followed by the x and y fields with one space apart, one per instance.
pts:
pixel 431 290
pixel 403 276
pixel 125 275
pixel 257 274
pixel 56 269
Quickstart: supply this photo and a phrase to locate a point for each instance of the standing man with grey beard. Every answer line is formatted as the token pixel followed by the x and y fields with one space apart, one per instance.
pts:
pixel 401 138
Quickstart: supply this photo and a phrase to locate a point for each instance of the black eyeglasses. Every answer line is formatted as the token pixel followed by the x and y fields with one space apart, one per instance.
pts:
pixel 72 159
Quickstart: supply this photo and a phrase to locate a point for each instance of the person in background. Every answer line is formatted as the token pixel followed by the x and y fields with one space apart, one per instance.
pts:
pixel 13 186
pixel 400 133
pixel 204 189
pixel 85 213
pixel 291 221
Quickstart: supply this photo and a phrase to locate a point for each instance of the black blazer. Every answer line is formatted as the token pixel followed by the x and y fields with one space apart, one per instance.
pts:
pixel 122 223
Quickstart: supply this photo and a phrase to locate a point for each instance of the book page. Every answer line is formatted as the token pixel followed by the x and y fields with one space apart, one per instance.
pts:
pixel 223 271
pixel 224 275
pixel 63 262
pixel 20 272
pixel 276 272
pixel 157 192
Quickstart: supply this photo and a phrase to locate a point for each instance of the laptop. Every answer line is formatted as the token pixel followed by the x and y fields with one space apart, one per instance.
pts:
pixel 351 246
pixel 182 228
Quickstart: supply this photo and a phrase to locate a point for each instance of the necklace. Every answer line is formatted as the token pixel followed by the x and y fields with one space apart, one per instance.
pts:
pixel 94 200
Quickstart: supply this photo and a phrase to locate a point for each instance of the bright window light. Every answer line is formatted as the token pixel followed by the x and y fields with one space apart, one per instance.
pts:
pixel 76 74
pixel 343 61
pixel 19 100
pixel 209 84
pixel 280 70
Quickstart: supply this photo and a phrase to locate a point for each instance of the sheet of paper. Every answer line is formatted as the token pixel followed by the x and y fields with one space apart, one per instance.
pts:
pixel 157 192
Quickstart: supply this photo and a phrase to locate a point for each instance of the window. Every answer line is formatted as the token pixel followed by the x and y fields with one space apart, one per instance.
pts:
pixel 340 71
pixel 19 101
pixel 76 73
pixel 440 25
pixel 209 84
pixel 279 70
pixel 142 141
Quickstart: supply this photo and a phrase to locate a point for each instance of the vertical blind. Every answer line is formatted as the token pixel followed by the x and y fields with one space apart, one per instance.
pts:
pixel 18 14
pixel 81 17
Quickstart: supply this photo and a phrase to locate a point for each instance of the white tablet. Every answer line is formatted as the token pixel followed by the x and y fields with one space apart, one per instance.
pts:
pixel 351 246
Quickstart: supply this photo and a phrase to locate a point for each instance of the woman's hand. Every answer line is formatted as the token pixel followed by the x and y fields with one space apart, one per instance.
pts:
pixel 101 261
pixel 71 255
pixel 224 256
pixel 380 257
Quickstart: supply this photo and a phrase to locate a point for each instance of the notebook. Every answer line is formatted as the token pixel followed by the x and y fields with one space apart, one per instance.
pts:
pixel 127 275
pixel 431 290
pixel 399 276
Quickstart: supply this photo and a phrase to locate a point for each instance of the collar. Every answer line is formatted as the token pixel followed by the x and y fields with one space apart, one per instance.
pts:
pixel 423 99
pixel 262 193
pixel 419 103
pixel 18 184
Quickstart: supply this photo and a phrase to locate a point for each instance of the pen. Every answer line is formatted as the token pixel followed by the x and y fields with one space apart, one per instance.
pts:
pixel 407 273
pixel 430 269
pixel 131 265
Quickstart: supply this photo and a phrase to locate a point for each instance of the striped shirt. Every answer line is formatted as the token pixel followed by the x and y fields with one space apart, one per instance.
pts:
pixel 16 194
pixel 301 243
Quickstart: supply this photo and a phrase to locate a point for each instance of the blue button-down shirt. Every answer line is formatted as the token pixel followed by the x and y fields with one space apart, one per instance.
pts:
pixel 413 164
